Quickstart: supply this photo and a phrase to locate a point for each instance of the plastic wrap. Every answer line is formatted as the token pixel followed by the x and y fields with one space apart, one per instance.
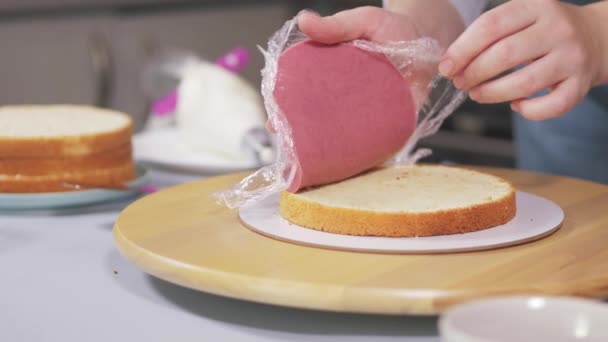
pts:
pixel 435 99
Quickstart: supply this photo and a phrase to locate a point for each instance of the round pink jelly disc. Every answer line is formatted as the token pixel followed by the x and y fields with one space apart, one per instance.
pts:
pixel 349 110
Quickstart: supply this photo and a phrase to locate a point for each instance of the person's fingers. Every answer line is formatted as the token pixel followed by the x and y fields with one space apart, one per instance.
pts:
pixel 357 23
pixel 515 50
pixel 489 28
pixel 559 101
pixel 538 75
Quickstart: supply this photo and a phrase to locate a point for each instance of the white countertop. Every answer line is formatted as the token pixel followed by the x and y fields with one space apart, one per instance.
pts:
pixel 64 280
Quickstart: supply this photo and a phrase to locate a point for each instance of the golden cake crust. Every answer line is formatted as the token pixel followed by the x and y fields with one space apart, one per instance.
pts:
pixel 114 177
pixel 49 165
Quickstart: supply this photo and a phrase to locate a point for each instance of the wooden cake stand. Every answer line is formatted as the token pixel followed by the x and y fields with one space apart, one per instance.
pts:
pixel 181 235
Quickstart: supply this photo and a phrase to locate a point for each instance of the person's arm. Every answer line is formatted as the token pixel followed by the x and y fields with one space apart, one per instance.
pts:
pixel 550 44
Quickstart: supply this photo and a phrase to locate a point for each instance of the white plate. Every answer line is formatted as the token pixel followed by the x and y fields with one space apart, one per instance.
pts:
pixel 507 319
pixel 70 199
pixel 162 148
pixel 536 217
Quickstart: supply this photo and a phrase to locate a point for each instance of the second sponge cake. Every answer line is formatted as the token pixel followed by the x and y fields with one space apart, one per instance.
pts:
pixel 55 148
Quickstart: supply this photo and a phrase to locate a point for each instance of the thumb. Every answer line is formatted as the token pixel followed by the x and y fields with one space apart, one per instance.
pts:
pixel 357 23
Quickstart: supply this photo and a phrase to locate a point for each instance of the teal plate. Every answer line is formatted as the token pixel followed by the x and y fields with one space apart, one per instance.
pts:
pixel 71 199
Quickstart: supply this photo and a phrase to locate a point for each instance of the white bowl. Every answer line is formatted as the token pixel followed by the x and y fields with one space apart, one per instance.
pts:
pixel 514 319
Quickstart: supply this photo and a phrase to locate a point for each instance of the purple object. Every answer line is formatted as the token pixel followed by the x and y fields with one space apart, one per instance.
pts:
pixel 165 105
pixel 234 61
pixel 148 189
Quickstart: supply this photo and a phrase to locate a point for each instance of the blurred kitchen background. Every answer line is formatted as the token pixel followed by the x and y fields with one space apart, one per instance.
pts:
pixel 95 52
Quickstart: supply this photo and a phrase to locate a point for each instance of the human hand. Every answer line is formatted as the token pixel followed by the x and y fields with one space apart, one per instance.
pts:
pixel 369 23
pixel 553 41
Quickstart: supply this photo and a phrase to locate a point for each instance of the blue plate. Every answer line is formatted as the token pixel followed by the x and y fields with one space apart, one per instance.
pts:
pixel 71 199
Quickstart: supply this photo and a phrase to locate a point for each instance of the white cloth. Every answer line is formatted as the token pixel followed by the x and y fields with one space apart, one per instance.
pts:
pixel 469 9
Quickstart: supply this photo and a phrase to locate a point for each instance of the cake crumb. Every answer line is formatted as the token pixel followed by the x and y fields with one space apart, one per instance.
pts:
pixel 115 271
